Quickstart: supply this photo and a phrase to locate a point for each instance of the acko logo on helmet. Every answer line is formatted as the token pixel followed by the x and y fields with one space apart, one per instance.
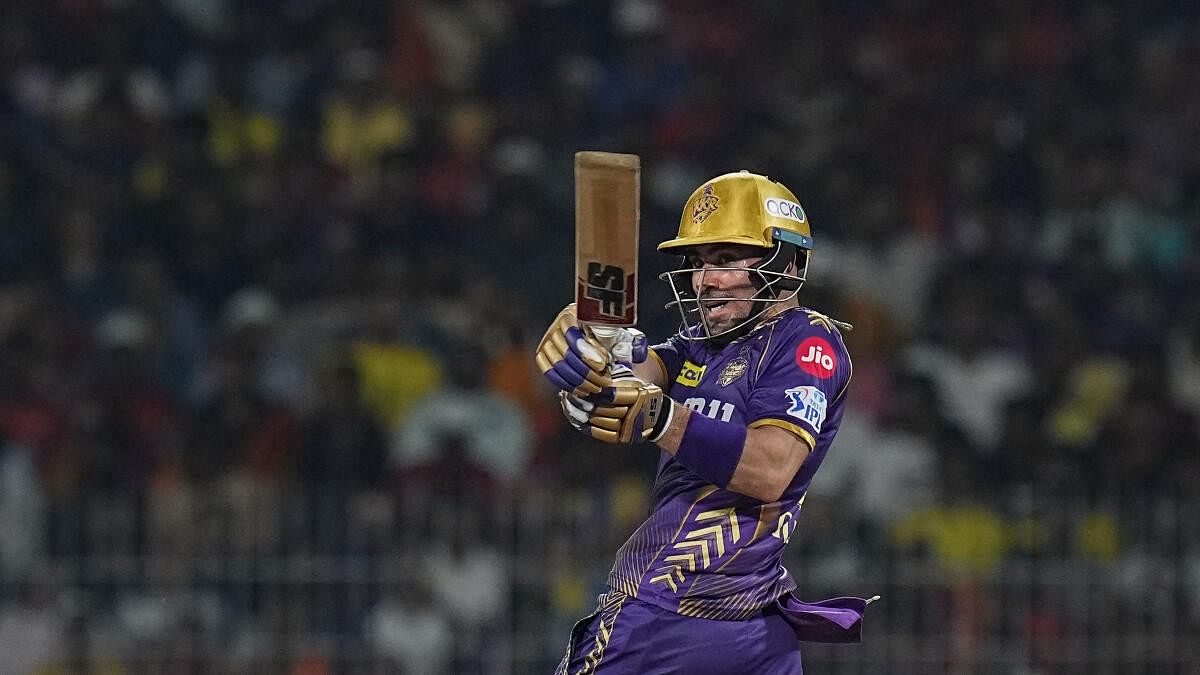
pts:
pixel 784 209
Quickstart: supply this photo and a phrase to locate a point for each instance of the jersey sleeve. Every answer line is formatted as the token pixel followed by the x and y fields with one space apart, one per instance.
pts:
pixel 802 374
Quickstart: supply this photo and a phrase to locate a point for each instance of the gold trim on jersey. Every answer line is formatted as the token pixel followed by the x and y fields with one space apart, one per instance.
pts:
pixel 742 604
pixel 721 597
pixel 697 543
pixel 735 532
pixel 816 318
pixel 662 366
pixel 773 318
pixel 610 609
pixel 762 356
pixel 737 607
pixel 630 584
pixel 849 376
pixel 767 513
pixel 670 573
pixel 804 434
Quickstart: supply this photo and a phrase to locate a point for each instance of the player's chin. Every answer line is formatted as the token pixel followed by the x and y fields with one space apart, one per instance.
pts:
pixel 719 324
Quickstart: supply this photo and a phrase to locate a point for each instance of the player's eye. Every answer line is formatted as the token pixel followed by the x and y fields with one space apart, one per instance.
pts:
pixel 719 259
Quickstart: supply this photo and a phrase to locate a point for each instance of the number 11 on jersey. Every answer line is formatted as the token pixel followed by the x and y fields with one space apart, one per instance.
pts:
pixel 718 410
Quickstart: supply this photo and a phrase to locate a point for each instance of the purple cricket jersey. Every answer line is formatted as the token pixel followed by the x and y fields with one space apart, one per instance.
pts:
pixel 712 553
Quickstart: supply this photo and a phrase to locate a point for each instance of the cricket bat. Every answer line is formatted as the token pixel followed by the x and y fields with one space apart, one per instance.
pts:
pixel 607 213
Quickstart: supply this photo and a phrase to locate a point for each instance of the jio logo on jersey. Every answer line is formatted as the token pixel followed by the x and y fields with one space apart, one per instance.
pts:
pixel 815 356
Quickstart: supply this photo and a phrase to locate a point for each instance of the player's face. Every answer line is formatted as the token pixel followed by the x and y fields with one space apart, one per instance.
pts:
pixel 724 293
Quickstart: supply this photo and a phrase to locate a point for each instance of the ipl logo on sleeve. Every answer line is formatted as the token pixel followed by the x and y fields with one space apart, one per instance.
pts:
pixel 808 404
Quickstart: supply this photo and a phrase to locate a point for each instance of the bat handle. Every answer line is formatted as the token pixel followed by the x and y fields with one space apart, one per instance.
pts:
pixel 626 345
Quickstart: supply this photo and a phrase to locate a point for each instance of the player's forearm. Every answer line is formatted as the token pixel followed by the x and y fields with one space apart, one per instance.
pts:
pixel 673 435
pixel 652 370
pixel 767 460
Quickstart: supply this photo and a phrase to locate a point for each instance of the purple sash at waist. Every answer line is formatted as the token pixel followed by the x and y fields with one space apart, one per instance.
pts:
pixel 833 620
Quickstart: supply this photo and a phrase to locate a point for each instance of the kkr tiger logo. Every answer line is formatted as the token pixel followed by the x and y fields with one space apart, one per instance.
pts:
pixel 705 205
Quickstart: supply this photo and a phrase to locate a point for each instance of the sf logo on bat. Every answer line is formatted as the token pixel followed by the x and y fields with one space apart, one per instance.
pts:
pixel 608 286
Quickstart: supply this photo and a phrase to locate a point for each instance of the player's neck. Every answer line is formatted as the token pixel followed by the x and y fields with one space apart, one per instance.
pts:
pixel 775 310
pixel 779 308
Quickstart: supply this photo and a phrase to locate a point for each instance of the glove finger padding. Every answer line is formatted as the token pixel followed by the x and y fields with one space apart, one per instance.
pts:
pixel 578 413
pixel 569 358
pixel 606 421
pixel 574 409
pixel 617 396
pixel 562 371
pixel 567 335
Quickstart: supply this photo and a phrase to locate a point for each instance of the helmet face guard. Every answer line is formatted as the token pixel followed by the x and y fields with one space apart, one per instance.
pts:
pixel 772 283
pixel 739 208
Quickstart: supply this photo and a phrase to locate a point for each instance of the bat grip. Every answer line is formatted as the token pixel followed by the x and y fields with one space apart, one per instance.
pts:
pixel 608 336
pixel 622 344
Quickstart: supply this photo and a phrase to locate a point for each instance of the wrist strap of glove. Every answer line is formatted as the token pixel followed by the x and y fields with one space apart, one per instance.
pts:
pixel 663 421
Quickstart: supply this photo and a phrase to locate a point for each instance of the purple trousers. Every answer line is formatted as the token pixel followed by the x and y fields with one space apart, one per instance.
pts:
pixel 626 635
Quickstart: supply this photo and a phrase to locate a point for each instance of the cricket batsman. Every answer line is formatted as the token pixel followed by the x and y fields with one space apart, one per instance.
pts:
pixel 743 403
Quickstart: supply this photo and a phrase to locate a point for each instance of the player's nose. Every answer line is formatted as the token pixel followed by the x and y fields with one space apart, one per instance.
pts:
pixel 710 279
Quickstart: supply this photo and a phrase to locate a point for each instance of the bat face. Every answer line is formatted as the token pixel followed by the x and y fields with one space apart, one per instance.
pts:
pixel 607 194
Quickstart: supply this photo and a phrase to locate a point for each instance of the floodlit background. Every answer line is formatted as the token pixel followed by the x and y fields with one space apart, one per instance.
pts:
pixel 271 273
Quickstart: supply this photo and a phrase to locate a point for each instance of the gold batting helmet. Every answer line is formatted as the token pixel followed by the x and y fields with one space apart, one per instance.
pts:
pixel 742 208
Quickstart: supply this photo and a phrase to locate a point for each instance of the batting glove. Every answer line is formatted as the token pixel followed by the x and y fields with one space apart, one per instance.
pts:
pixel 576 361
pixel 628 411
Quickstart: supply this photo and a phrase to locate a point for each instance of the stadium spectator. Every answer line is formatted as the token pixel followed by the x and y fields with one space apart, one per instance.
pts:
pixel 494 431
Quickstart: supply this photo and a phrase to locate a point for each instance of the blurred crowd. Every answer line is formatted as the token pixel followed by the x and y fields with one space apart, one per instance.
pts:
pixel 271 271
